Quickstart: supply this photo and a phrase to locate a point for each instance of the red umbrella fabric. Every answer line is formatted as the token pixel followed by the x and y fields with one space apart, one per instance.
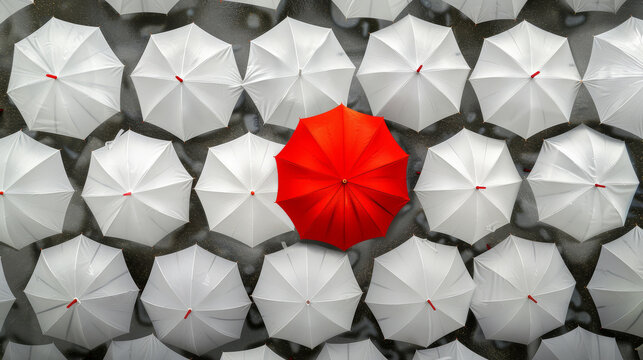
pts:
pixel 342 177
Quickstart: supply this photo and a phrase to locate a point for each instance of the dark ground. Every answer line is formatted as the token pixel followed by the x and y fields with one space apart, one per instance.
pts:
pixel 238 24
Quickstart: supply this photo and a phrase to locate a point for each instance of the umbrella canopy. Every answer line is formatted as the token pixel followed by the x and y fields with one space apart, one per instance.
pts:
pixel 420 291
pixel 525 79
pixel 34 190
pixel 342 177
pixel 523 290
pixel 196 300
pixel 377 9
pixel 187 82
pixel 413 73
pixel 15 351
pixel 486 10
pixel 10 7
pixel 137 188
pixel 82 292
pixel 238 189
pixel 578 344
pixel 297 70
pixel 145 348
pixel 595 5
pixel 614 76
pixel 451 351
pixel 468 186
pixel 583 182
pixel 360 350
pixel 65 79
pixel 306 294
pixel 139 6
pixel 6 297
pixel 270 4
pixel 260 353
pixel 617 284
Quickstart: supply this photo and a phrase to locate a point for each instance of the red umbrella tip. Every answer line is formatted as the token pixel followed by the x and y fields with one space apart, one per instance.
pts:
pixel 480 187
pixel 307 302
pixel 252 193
pixel 127 193
pixel 535 74
pixel 52 76
pixel 1 192
pixel 430 303
pixel 188 313
pixel 179 79
pixel 599 186
pixel 72 303
pixel 419 68
pixel 488 247
pixel 532 299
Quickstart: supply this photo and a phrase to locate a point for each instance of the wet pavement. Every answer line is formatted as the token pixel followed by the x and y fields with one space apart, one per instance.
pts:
pixel 238 24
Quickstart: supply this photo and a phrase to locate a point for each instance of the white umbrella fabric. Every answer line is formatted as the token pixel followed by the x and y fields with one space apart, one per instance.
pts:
pixel 595 5
pixel 487 10
pixel 195 300
pixel 137 188
pixel 10 7
pixel 142 6
pixel 297 70
pixel 468 186
pixel 420 291
pixel 526 80
pixel 376 9
pixel 306 294
pixel 187 82
pixel 270 4
pixel 6 297
pixel 260 353
pixel 145 348
pixel 65 79
pixel 413 73
pixel 360 350
pixel 82 292
pixel 15 351
pixel 614 76
pixel 238 189
pixel 617 284
pixel 523 290
pixel 578 344
pixel 451 351
pixel 583 182
pixel 34 190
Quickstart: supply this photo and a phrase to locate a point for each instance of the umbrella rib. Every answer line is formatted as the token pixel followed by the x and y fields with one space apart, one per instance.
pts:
pixel 359 202
pixel 393 162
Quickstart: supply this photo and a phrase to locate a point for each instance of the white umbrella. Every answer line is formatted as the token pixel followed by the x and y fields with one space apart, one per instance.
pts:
pixel 238 189
pixel 270 4
pixel 297 70
pixel 525 79
pixel 360 350
pixel 145 348
pixel 420 291
pixel 451 351
pixel 486 10
pixel 306 294
pixel 614 76
pixel 595 5
pixel 65 79
pixel 10 7
pixel 195 300
pixel 34 190
pixel 617 284
pixel 377 9
pixel 583 182
pixel 137 188
pixel 6 297
pixel 260 353
pixel 82 292
pixel 523 290
pixel 578 344
pixel 139 6
pixel 187 82
pixel 468 186
pixel 413 73
pixel 15 351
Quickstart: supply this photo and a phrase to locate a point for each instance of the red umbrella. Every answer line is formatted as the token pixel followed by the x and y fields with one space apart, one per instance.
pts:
pixel 342 177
